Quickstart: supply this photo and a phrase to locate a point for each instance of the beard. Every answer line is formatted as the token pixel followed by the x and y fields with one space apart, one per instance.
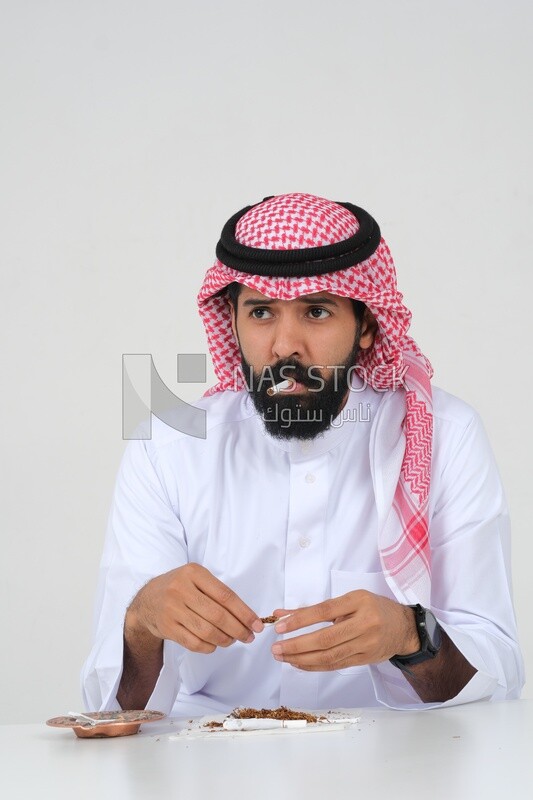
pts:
pixel 299 416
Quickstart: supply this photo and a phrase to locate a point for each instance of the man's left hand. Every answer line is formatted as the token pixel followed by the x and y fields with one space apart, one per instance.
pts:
pixel 367 628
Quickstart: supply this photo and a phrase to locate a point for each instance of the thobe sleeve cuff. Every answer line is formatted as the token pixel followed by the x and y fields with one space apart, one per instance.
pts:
pixel 168 682
pixel 500 672
pixel 101 675
pixel 103 670
pixel 489 683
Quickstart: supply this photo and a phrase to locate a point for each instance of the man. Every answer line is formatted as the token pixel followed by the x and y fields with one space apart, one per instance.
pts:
pixel 335 489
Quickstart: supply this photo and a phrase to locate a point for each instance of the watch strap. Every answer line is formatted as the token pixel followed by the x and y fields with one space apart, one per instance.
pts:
pixel 428 647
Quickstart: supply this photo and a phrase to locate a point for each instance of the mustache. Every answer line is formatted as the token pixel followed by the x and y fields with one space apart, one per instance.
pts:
pixel 292 369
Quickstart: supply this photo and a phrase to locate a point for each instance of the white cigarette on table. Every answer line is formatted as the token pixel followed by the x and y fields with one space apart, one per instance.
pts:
pixel 279 387
pixel 262 724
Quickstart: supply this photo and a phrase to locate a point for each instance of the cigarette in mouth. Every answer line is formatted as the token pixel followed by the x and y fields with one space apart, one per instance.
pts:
pixel 279 387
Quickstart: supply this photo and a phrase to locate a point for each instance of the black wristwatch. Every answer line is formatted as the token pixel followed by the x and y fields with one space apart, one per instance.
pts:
pixel 430 634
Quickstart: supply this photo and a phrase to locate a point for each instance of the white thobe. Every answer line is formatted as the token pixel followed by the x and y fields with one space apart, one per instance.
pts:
pixel 287 524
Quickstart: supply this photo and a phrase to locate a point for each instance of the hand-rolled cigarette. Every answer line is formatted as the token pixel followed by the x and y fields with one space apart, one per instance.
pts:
pixel 279 387
pixel 272 620
pixel 231 724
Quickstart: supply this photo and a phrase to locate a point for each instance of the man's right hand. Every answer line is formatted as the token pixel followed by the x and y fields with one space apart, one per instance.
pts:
pixel 190 606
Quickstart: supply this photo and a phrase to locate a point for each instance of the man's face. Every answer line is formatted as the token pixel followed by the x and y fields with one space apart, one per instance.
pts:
pixel 313 340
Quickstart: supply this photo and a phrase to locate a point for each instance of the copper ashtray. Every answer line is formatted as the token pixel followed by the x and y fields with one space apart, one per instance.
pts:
pixel 117 723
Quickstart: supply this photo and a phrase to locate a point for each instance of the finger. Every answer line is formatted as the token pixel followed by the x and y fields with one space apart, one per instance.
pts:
pixel 216 616
pixel 355 661
pixel 204 630
pixel 226 597
pixel 189 640
pixel 283 612
pixel 322 640
pixel 340 657
pixel 327 611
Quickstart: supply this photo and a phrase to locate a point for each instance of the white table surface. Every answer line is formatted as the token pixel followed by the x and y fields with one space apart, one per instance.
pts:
pixel 479 750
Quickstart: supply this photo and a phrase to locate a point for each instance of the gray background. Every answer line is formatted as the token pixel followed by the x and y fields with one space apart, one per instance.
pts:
pixel 130 132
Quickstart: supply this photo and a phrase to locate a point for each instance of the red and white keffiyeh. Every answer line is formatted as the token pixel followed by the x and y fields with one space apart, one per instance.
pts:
pixel 402 431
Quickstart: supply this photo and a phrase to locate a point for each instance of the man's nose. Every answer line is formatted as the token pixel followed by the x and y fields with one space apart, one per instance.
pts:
pixel 287 339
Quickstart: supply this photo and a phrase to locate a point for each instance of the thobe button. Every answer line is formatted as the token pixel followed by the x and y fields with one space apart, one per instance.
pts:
pixel 310 478
pixel 304 541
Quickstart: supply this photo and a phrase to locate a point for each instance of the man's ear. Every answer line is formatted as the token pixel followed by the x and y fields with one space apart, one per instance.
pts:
pixel 233 320
pixel 369 328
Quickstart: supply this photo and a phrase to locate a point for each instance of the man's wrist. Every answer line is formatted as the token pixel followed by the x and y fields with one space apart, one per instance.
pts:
pixel 136 634
pixel 430 639
pixel 411 639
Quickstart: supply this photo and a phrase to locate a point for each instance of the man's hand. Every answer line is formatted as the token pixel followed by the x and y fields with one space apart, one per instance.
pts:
pixel 190 606
pixel 187 605
pixel 367 628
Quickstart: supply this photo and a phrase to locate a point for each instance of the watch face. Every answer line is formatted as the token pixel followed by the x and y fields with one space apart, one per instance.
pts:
pixel 433 630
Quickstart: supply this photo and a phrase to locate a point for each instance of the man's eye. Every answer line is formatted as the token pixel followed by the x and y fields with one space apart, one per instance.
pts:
pixel 319 312
pixel 260 313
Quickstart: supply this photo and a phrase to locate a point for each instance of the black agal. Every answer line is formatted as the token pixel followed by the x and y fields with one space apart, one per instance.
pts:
pixel 304 262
